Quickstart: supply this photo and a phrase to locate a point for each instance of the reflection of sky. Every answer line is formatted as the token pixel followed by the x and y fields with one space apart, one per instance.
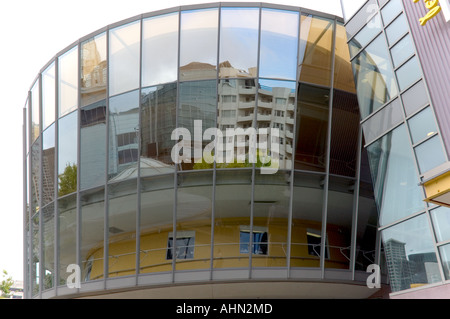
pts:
pixel 67 141
pixel 270 84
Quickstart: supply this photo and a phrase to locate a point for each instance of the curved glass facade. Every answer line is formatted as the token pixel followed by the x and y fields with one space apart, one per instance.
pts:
pixel 105 193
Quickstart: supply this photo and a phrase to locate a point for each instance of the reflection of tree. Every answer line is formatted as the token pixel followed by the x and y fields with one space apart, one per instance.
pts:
pixel 68 180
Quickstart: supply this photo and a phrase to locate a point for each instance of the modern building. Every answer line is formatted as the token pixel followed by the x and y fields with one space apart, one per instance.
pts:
pixel 399 53
pixel 359 137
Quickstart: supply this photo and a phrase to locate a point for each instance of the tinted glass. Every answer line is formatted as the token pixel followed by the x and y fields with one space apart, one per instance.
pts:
pixel 67 232
pixel 35 175
pixel 396 29
pixel 279 43
pixel 441 223
pixel 48 96
pixel 415 98
pixel 343 75
pixel 445 259
pixel 198 44
pixel 408 73
pixel 35 111
pixel 67 154
pixel 48 246
pixel 68 82
pixel 93 70
pixel 160 49
pixel 35 262
pixel 390 11
pixel 48 165
pixel 430 154
pixel 402 50
pixel 365 35
pixel 124 57
pixel 238 42
pixel 422 125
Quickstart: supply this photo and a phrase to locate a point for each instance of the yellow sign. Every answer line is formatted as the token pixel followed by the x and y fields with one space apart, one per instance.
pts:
pixel 433 10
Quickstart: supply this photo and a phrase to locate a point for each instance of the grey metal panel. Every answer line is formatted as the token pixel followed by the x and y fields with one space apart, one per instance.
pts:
pixel 433 47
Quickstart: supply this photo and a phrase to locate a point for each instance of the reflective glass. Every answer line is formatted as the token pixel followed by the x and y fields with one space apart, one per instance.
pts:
pixel 402 50
pixel 197 103
pixel 123 136
pixel 35 255
pixel 68 82
pixel 343 74
pixel 445 259
pixel 430 154
pixel 415 98
pixel 36 175
pixel 35 112
pixel 67 154
pixel 156 222
pixel 422 125
pixel 441 223
pixel 397 192
pixel 92 233
pixel 365 35
pixel 124 58
pixel 397 29
pixel 307 206
pixel 67 236
pixel 48 246
pixel 238 42
pixel 93 70
pixel 391 10
pixel 198 44
pixel 270 216
pixel 48 96
pixel 122 228
pixel 279 44
pixel 374 78
pixel 193 232
pixel 232 214
pixel 48 165
pixel 316 40
pixel 409 250
pixel 408 73
pixel 160 49
pixel 158 120
pixel 312 128
pixel 93 145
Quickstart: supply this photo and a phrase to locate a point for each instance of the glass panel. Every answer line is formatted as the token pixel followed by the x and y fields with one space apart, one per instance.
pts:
pixel 35 267
pixel 48 244
pixel 124 57
pixel 441 223
pixel 232 210
pixel 374 78
pixel 157 198
pixel 410 254
pixel 430 154
pixel 270 216
pixel 343 74
pixel 408 73
pixel 402 50
pixel 93 70
pixel 67 154
pixel 93 145
pixel 344 134
pixel 67 232
pixel 197 103
pixel 92 234
pixel 123 136
pixel 160 49
pixel 363 37
pixel 445 259
pixel 312 128
pixel 276 100
pixel 415 98
pixel 422 125
pixel 316 40
pixel 396 29
pixel 279 44
pixel 198 44
pixel 397 192
pixel 193 235
pixel 390 11
pixel 35 175
pixel 35 112
pixel 158 120
pixel 68 82
pixel 48 96
pixel 122 228
pixel 48 165
pixel 238 42
pixel 307 209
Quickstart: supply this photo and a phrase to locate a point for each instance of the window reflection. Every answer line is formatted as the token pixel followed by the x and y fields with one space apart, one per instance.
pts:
pixel 48 165
pixel 408 73
pixel 158 120
pixel 160 49
pixel 422 125
pixel 67 235
pixel 279 43
pixel 365 35
pixel 411 259
pixel 316 40
pixel 68 82
pixel 441 223
pixel 93 145
pixel 198 44
pixel 35 112
pixel 48 249
pixel 35 255
pixel 124 58
pixel 430 154
pixel 123 136
pixel 48 96
pixel 93 70
pixel 67 154
pixel 343 75
pixel 238 42
pixel 35 175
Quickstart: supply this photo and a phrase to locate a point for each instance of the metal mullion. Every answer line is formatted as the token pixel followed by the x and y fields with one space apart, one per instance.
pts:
pixel 78 197
pixel 435 245
pixel 56 206
pixel 106 201
pixel 41 227
pixel 29 190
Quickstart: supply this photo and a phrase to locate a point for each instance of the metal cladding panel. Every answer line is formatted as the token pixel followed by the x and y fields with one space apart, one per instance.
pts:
pixel 433 48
